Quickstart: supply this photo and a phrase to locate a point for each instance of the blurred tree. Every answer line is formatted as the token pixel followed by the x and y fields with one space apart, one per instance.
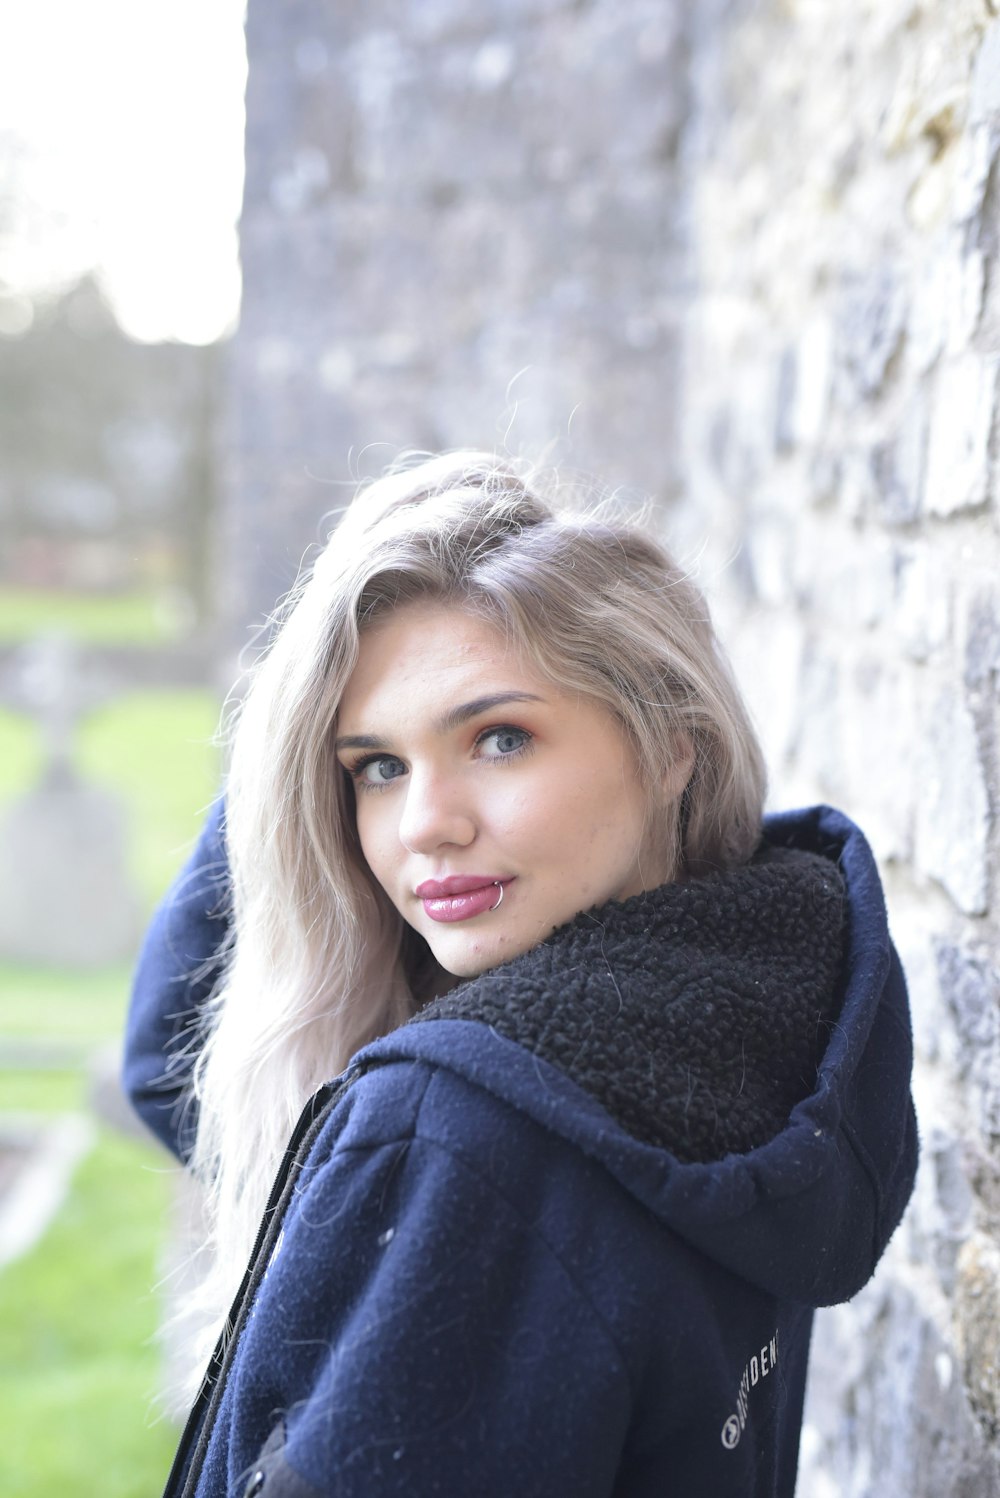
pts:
pixel 106 467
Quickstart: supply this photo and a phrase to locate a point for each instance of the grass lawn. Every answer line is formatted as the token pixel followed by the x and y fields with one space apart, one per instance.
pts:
pixel 79 1369
pixel 113 619
pixel 66 1006
pixel 156 749
pixel 78 1364
pixel 18 753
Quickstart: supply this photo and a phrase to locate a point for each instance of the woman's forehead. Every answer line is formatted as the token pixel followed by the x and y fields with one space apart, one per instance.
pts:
pixel 432 654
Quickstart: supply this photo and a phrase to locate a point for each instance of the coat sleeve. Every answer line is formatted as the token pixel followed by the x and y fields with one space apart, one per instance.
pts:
pixel 177 969
pixel 423 1336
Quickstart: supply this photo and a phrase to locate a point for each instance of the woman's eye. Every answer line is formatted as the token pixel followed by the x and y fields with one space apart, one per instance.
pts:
pixel 502 743
pixel 377 773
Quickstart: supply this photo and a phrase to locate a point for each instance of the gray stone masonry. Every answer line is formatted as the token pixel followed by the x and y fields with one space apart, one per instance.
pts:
pixel 840 447
pixel 743 255
pixel 462 227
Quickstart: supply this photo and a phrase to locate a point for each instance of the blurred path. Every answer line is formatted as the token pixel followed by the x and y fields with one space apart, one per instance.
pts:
pixel 32 1191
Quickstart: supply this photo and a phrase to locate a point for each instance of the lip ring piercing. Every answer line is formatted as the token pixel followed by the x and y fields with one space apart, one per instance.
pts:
pixel 499 896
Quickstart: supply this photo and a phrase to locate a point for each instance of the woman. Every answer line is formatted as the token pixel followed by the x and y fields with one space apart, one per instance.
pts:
pixel 641 1096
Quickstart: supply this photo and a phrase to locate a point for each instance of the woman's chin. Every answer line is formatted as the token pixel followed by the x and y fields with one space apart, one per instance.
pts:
pixel 464 955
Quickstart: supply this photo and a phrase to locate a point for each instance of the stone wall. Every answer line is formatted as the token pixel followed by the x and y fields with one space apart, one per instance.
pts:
pixel 743 257
pixel 840 456
pixel 461 227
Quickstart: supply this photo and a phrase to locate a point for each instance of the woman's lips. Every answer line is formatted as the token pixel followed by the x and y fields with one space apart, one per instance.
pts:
pixel 460 897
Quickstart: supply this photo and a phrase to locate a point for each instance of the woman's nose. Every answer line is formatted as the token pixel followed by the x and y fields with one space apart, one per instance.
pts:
pixel 435 812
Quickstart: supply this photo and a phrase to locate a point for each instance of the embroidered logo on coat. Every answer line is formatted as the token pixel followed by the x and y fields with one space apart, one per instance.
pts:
pixel 758 1367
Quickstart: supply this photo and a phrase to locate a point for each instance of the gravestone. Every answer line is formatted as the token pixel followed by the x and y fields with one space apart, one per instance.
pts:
pixel 66 898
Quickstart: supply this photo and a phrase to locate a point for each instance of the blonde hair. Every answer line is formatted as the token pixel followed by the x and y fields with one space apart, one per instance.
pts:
pixel 321 963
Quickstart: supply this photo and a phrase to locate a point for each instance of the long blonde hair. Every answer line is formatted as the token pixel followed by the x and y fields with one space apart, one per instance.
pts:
pixel 321 963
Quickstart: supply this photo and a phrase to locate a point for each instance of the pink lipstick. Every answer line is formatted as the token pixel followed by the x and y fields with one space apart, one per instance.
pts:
pixel 460 897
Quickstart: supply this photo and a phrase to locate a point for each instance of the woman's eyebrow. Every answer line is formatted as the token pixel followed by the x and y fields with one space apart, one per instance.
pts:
pixel 456 716
pixel 453 718
pixel 359 741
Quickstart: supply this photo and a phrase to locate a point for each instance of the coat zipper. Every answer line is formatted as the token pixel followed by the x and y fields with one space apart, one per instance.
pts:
pixel 188 1462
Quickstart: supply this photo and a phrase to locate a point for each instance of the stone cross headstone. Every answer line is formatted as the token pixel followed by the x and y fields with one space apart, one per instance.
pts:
pixel 66 897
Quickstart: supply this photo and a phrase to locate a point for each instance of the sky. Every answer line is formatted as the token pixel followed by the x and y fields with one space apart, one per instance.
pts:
pixel 121 153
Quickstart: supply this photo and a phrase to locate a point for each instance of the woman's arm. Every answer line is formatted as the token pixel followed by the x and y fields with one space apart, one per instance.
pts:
pixel 178 967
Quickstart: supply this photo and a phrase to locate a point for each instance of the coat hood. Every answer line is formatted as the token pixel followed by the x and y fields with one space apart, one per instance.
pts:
pixel 734 1050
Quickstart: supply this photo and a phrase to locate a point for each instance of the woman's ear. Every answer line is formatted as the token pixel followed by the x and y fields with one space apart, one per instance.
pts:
pixel 681 766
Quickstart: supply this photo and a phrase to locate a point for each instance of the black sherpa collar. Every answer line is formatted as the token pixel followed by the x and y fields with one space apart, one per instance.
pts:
pixel 695 1013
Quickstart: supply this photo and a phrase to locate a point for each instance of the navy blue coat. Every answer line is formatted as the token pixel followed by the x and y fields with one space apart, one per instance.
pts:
pixel 515 1252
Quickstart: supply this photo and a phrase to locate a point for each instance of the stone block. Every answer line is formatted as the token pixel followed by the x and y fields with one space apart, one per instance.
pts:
pixel 970 986
pixel 987 338
pixel 912 928
pixel 751 423
pixel 954 1200
pixel 843 575
pixel 804 386
pixel 952 813
pixel 769 550
pixel 870 327
pixel 981 636
pixel 859 482
pixel 868 581
pixel 899 465
pixel 958 441
pixel 922 611
pixel 973 159
pixel 766 652
pixel 964 300
pixel 936 1225
pixel 978 1314
pixel 927 324
pixel 984 101
pixel 815 746
pixel 875 734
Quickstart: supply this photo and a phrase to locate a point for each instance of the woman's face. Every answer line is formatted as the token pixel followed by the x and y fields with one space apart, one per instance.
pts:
pixel 472 776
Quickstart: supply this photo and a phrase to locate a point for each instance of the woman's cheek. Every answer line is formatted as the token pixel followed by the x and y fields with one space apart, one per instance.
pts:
pixel 378 841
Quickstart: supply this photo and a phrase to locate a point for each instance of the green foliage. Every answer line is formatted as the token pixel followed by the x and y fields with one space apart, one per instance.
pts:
pixel 73 1008
pixel 78 1361
pixel 156 749
pixel 79 1367
pixel 19 753
pixel 30 1091
pixel 107 618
